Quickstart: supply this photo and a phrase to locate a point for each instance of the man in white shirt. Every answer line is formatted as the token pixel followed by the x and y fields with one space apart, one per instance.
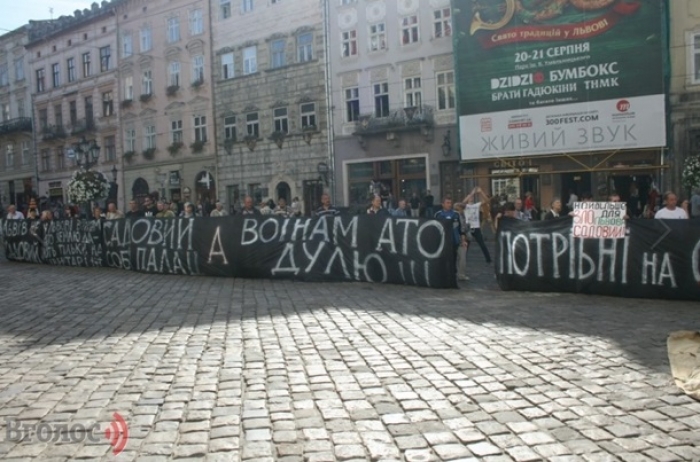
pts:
pixel 671 212
pixel 13 214
pixel 471 216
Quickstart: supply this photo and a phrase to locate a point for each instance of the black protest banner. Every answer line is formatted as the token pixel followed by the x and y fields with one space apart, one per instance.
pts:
pixel 22 240
pixel 655 259
pixel 72 242
pixel 358 248
pixel 151 245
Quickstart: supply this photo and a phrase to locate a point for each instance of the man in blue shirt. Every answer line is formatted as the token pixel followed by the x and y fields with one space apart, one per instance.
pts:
pixel 459 234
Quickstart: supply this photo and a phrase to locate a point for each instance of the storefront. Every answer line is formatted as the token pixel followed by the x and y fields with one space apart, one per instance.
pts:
pixel 627 173
pixel 400 177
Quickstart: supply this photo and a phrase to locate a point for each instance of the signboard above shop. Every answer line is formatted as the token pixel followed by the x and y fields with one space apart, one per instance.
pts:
pixel 559 76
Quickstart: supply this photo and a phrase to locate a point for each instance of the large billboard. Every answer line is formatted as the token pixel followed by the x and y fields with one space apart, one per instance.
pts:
pixel 558 76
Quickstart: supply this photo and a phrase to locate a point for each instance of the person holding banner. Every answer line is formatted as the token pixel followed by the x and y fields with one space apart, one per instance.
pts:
pixel 13 214
pixel 459 234
pixel 376 207
pixel 326 208
pixel 671 211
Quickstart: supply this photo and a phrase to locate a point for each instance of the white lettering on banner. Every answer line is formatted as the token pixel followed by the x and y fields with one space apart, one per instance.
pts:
pixel 539 237
pixel 407 223
pixel 321 229
pixel 217 248
pixel 313 257
pixel 611 253
pixel 363 266
pixel 337 253
pixel 696 262
pixel 521 271
pixel 292 268
pixel 276 229
pixel 387 237
pixel 599 220
pixel 658 272
pixel 351 229
pixel 249 227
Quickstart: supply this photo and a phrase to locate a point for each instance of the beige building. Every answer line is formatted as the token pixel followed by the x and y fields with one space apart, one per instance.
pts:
pixel 270 89
pixel 393 97
pixel 685 86
pixel 72 69
pixel 165 95
pixel 17 166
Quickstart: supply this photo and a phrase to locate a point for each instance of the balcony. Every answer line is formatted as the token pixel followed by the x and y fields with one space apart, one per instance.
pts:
pixel 53 132
pixel 409 119
pixel 20 124
pixel 83 126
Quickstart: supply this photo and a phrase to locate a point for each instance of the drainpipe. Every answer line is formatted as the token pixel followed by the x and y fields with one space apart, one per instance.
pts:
pixel 214 118
pixel 119 113
pixel 330 136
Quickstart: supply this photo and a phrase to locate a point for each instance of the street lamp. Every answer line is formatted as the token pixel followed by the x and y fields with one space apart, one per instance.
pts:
pixel 323 171
pixel 447 145
pixel 86 153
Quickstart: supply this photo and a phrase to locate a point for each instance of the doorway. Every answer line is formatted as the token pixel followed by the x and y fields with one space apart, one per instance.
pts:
pixel 283 191
pixel 578 183
pixel 313 190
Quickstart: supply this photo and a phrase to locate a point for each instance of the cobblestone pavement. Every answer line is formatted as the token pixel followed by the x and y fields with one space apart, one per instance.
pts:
pixel 224 369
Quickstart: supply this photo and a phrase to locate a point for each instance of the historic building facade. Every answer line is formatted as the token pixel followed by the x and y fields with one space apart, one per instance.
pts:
pixel 393 97
pixel 72 73
pixel 685 87
pixel 165 96
pixel 271 100
pixel 17 166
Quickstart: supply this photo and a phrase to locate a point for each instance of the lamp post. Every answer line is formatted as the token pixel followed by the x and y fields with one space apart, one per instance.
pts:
pixel 114 187
pixel 447 144
pixel 323 171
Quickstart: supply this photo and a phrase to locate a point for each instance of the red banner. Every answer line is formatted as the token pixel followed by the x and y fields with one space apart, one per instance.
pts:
pixel 578 31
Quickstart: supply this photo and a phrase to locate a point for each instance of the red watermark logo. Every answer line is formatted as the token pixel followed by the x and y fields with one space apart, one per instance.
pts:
pixel 623 105
pixel 117 434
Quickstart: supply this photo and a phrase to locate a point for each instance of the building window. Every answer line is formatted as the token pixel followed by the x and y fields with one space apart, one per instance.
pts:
pixel 227 66
pixel 129 88
pixel 130 140
pixel 308 115
pixel 105 55
pixel 695 58
pixel 412 92
pixel 60 158
pixel 20 108
pixel 4 75
pixel 19 68
pixel 40 81
pixel 173 29
pixel 89 113
pixel 252 124
pixel 305 49
pixel 174 74
pixel 198 69
pixel 225 9
pixel 250 60
pixel 349 43
pixel 146 40
pixel 381 99
pixel 176 131
pixel 58 115
pixel 45 160
pixel 43 119
pixel 352 104
pixel 56 75
pixel 26 159
pixel 442 22
pixel 87 67
pixel 73 112
pixel 147 83
pixel 107 104
pixel 149 138
pixel 230 128
pixel 377 37
pixel 246 6
pixel 127 45
pixel 110 144
pixel 196 22
pixel 71 69
pixel 200 129
pixel 277 48
pixel 10 156
pixel 280 120
pixel 409 29
pixel 5 112
pixel 446 90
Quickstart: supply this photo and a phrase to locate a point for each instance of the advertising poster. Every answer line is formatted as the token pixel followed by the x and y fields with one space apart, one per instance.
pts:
pixel 558 76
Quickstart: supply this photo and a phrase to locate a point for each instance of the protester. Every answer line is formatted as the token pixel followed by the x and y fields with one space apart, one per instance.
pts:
pixel 519 213
pixel 555 211
pixel 459 235
pixel 401 210
pixel 671 211
pixel 695 204
pixel 326 208
pixel 33 209
pixel 415 205
pixel 32 214
pixel 134 211
pixel 295 207
pixel 282 210
pixel 573 198
pixel 46 215
pixel 376 207
pixel 188 211
pixel 248 207
pixel 218 210
pixel 462 252
pixel 634 204
pixel 530 209
pixel 113 213
pixel 97 213
pixel 615 197
pixel 471 215
pixel 164 211
pixel 13 214
pixel 508 212
pixel 149 210
pixel 429 201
